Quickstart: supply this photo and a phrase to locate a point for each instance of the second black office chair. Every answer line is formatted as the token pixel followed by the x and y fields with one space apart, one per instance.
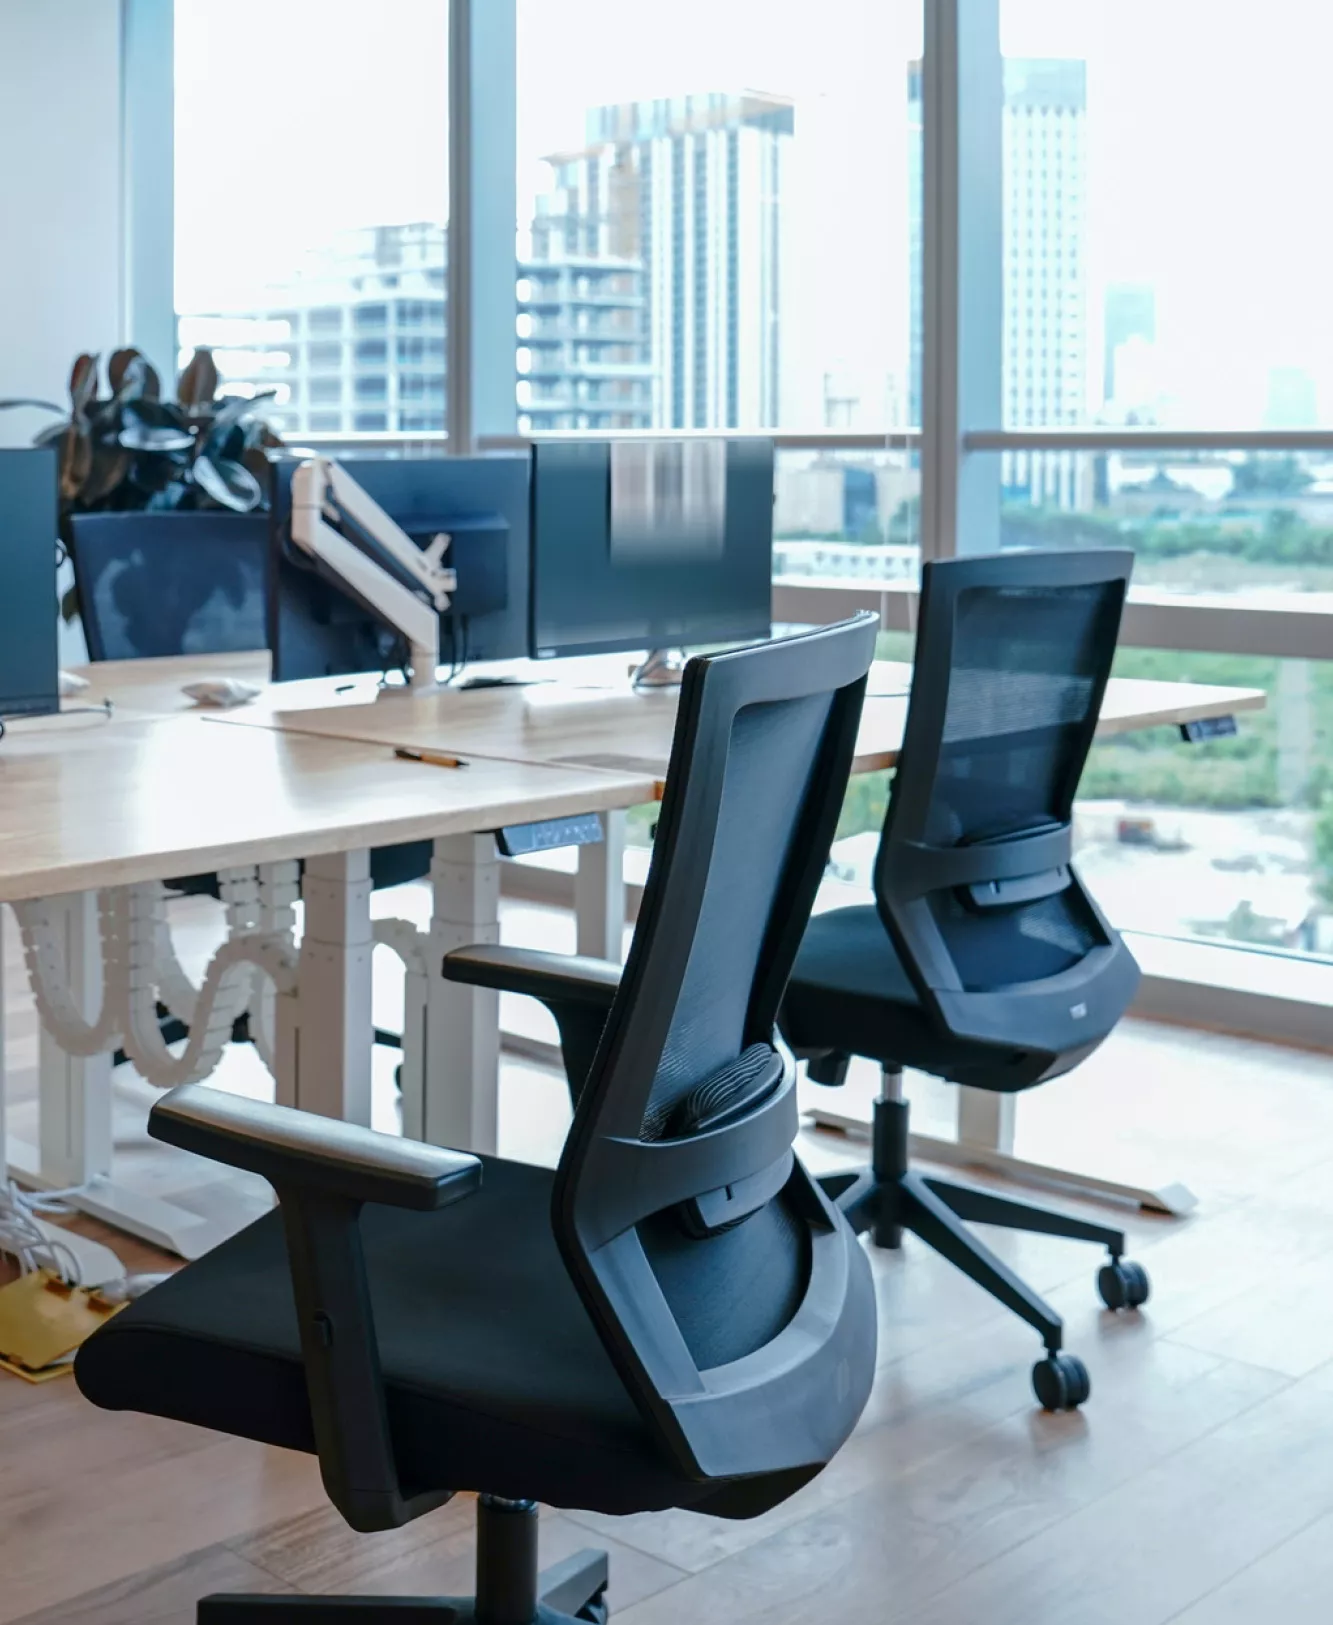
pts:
pixel 677 1317
pixel 983 959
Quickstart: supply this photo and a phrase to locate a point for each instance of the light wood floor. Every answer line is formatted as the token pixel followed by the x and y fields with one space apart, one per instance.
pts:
pixel 1196 1488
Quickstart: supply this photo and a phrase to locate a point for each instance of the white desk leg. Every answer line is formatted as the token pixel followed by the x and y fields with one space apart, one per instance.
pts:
pixel 74 1091
pixel 461 1044
pixel 986 1120
pixel 74 1124
pixel 599 891
pixel 330 1069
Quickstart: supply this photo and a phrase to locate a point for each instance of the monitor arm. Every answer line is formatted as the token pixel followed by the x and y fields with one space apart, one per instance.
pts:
pixel 406 585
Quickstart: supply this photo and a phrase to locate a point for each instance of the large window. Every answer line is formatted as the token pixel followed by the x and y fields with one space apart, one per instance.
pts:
pixel 714 214
pixel 745 215
pixel 311 179
pixel 1163 269
pixel 1162 243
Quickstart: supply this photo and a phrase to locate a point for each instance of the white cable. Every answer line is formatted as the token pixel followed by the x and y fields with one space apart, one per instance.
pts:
pixel 25 1240
pixel 132 932
pixel 224 995
pixel 402 938
pixel 48 976
pixel 279 891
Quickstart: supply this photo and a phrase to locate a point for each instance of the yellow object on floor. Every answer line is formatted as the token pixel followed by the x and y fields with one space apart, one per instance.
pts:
pixel 43 1320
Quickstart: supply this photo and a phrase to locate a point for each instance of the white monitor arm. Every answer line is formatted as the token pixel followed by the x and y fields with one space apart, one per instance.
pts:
pixel 322 493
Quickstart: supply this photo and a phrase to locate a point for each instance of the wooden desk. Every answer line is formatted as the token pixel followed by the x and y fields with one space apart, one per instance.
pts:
pixel 95 812
pixel 86 804
pixel 612 740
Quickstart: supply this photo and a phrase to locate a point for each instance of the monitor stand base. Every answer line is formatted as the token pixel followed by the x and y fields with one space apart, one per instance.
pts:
pixel 662 668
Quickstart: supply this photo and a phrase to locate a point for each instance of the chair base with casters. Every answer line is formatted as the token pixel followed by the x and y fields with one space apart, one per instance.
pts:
pixel 510 1589
pixel 890 1197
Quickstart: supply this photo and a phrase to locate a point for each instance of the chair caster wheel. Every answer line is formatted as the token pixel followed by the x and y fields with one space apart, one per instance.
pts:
pixel 1060 1382
pixel 1123 1285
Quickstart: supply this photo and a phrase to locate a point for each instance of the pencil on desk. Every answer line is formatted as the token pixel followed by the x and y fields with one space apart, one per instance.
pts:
pixel 434 758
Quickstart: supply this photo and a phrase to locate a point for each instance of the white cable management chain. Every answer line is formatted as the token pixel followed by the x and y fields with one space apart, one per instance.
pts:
pixel 140 968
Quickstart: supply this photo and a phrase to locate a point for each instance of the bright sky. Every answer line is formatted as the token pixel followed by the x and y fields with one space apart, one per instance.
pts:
pixel 1203 153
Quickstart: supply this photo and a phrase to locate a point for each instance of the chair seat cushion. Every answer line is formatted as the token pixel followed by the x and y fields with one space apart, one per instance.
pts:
pixel 850 992
pixel 495 1378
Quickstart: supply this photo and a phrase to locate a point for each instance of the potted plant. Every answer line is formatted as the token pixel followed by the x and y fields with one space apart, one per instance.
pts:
pixel 125 448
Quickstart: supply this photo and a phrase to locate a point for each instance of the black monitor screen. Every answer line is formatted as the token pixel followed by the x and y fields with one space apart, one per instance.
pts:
pixel 28 534
pixel 650 544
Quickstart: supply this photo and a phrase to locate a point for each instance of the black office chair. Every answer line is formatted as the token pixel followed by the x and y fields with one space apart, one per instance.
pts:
pixel 983 959
pixel 156 584
pixel 676 1317
pixel 150 584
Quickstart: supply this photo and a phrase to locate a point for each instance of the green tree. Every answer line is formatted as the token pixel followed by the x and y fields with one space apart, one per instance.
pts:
pixel 1323 849
pixel 1269 476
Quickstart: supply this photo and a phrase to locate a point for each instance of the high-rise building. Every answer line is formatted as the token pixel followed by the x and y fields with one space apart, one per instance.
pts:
pixel 355 341
pixel 690 189
pixel 1045 260
pixel 1130 313
pixel 352 342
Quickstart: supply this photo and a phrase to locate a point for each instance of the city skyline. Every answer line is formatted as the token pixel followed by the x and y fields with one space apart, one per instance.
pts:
pixel 1203 213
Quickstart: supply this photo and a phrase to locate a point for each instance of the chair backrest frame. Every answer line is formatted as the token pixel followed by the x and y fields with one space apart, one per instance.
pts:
pixel 174 537
pixel 1061 1016
pixel 788 1404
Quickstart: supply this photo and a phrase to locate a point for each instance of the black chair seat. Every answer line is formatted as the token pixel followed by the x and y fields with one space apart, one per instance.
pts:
pixel 495 1377
pixel 849 992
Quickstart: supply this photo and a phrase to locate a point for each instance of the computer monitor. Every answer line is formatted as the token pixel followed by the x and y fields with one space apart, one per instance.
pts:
pixel 152 584
pixel 651 544
pixel 29 531
pixel 317 630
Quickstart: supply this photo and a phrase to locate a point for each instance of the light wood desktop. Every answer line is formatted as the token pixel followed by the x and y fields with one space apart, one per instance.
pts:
pixel 611 725
pixel 92 806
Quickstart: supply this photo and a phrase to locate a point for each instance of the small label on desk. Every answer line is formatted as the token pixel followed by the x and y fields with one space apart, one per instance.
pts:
pixel 1203 728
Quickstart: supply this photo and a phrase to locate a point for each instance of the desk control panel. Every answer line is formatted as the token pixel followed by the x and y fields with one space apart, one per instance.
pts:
pixel 517 840
pixel 1194 733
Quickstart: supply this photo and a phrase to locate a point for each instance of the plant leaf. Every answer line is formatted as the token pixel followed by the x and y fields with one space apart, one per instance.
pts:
pixel 119 365
pixel 109 467
pixel 83 382
pixel 230 485
pixel 44 406
pixel 137 436
pixel 233 410
pixel 199 382
pixel 76 460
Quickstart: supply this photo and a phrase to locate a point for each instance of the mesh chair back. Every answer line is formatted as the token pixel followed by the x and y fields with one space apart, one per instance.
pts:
pixel 973 877
pixel 153 584
pixel 732 1296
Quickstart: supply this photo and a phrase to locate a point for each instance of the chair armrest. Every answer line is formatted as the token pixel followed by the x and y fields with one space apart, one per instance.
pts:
pixel 552 978
pixel 299 1151
pixel 577 991
pixel 323 1172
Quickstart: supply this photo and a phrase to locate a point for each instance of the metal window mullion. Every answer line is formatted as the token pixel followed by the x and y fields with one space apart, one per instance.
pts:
pixel 147 146
pixel 962 268
pixel 483 192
